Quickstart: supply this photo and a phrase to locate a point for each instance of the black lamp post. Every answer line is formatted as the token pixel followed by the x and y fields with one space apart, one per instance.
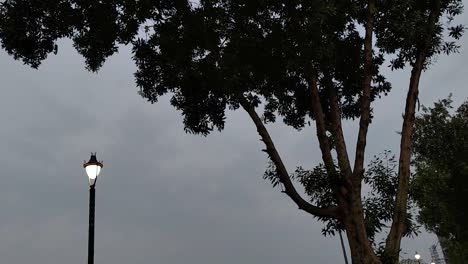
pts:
pixel 417 257
pixel 93 168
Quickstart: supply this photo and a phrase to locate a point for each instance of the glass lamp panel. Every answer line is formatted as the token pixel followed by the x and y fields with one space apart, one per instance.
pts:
pixel 93 171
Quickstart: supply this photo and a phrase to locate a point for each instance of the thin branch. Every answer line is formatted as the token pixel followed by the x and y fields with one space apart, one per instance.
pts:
pixel 366 96
pixel 341 192
pixel 335 114
pixel 320 127
pixel 283 175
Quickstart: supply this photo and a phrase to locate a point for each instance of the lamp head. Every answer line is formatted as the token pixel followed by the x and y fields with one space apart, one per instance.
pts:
pixel 93 168
pixel 417 256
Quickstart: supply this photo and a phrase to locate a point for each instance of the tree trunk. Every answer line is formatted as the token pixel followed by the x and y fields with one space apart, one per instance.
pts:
pixel 359 244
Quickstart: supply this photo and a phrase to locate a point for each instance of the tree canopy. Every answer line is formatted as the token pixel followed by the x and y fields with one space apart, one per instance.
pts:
pixel 297 60
pixel 194 50
pixel 441 182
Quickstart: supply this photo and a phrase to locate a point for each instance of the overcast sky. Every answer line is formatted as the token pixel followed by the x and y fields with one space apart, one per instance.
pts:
pixel 163 196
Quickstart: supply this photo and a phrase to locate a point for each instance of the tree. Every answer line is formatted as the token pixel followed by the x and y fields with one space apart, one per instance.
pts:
pixel 297 60
pixel 441 182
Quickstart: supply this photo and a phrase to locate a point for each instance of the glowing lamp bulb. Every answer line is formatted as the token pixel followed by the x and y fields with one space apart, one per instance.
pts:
pixel 93 168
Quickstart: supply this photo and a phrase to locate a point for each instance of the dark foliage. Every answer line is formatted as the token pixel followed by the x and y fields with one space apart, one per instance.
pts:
pixel 208 54
pixel 441 151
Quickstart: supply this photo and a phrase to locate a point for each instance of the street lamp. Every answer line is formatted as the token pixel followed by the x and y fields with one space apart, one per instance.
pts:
pixel 93 168
pixel 417 257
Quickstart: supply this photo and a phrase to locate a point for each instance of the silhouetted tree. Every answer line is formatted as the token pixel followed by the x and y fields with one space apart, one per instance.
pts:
pixel 441 182
pixel 301 60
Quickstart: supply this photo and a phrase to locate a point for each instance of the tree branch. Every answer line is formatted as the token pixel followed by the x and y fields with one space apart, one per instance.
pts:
pixel 283 175
pixel 342 152
pixel 398 227
pixel 320 126
pixel 400 211
pixel 366 96
pixel 325 148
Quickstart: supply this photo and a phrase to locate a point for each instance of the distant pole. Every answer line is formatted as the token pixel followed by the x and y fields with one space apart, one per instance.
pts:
pixel 343 247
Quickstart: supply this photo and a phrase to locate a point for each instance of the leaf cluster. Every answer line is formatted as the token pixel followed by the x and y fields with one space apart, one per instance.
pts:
pixel 402 28
pixel 381 180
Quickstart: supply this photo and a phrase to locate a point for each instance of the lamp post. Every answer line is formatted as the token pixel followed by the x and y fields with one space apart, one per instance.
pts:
pixel 93 168
pixel 417 257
